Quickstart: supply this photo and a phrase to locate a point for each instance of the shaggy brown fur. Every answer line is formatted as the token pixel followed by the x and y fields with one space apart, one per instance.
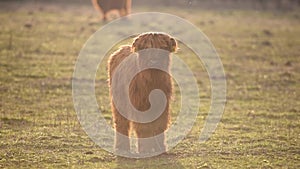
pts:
pixel 140 87
pixel 104 6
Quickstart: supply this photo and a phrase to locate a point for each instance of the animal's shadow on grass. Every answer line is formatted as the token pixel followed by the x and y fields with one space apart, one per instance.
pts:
pixel 161 161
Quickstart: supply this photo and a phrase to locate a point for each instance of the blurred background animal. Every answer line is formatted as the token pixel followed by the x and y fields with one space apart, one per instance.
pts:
pixel 105 6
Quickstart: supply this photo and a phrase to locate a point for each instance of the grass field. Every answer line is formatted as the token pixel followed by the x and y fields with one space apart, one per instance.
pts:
pixel 260 127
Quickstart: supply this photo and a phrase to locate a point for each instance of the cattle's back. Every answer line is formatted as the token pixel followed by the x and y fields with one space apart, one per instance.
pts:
pixel 116 58
pixel 107 5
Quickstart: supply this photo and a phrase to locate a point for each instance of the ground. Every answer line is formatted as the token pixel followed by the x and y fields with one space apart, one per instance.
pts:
pixel 260 127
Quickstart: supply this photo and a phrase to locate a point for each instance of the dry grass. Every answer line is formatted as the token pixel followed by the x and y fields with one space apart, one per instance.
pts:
pixel 39 128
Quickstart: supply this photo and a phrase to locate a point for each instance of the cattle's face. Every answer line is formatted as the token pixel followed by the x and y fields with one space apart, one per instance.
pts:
pixel 154 49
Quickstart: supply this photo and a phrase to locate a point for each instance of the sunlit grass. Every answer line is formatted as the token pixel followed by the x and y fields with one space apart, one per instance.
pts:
pixel 259 129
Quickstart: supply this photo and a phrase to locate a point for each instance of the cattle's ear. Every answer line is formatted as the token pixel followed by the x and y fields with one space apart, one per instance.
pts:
pixel 135 46
pixel 173 45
